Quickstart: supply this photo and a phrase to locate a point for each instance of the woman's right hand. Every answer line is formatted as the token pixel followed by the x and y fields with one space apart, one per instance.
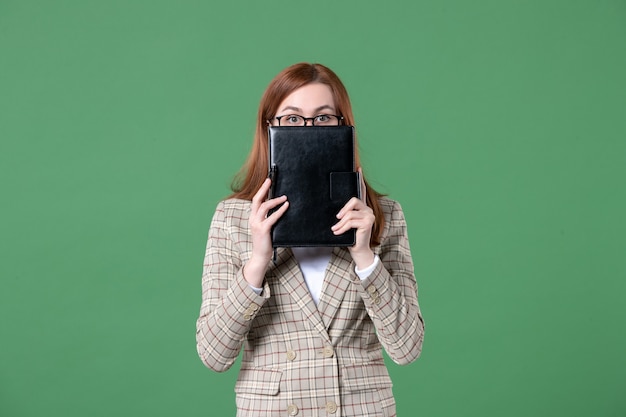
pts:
pixel 260 227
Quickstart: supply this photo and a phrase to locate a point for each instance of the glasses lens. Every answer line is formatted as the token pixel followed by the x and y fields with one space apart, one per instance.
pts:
pixel 292 120
pixel 326 120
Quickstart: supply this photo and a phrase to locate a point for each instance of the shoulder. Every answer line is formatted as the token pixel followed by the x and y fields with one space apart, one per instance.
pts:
pixel 392 209
pixel 395 223
pixel 234 204
pixel 232 210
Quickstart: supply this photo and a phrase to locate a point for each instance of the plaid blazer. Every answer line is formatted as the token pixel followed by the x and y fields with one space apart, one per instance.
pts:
pixel 299 358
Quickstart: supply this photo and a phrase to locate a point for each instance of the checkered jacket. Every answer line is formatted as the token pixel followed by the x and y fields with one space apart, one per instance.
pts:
pixel 299 358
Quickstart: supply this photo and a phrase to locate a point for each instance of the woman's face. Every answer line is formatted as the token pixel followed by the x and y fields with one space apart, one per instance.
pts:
pixel 308 101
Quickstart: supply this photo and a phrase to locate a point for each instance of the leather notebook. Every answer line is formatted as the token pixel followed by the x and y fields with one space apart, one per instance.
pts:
pixel 314 167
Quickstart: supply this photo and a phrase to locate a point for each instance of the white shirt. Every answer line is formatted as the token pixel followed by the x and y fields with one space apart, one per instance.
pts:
pixel 313 262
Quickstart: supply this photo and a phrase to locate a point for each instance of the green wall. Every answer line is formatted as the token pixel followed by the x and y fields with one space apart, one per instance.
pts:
pixel 499 125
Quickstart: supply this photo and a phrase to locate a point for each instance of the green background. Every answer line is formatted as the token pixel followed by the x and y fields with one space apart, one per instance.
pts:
pixel 500 126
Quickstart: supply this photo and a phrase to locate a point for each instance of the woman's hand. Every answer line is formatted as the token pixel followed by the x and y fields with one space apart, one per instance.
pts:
pixel 260 226
pixel 356 214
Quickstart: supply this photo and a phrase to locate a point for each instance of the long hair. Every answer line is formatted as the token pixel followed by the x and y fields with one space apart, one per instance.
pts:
pixel 250 177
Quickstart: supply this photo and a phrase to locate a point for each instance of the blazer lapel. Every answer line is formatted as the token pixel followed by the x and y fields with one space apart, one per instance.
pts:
pixel 336 284
pixel 290 277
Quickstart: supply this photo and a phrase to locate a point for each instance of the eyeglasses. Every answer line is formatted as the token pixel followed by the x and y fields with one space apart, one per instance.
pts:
pixel 319 120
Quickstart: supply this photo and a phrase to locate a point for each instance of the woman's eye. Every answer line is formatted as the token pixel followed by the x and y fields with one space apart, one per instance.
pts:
pixel 322 118
pixel 293 119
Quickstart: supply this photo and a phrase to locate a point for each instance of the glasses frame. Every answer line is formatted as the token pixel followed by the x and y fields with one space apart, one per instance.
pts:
pixel 312 119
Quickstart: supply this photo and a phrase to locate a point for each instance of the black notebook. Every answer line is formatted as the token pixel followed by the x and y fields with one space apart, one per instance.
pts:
pixel 314 167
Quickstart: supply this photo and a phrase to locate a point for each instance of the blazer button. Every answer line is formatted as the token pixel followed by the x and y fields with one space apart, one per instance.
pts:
pixel 253 307
pixel 376 299
pixel 328 352
pixel 291 355
pixel 292 410
pixel 331 407
pixel 371 289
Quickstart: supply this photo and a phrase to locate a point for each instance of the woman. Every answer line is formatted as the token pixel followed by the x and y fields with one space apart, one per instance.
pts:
pixel 314 322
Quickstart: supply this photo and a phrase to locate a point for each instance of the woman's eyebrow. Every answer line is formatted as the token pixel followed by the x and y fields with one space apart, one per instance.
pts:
pixel 324 107
pixel 298 109
pixel 292 108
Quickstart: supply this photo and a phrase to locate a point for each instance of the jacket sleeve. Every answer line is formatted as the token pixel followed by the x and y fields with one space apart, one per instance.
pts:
pixel 228 303
pixel 390 294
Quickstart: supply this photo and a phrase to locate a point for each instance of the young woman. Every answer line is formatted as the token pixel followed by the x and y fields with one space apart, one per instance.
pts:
pixel 314 322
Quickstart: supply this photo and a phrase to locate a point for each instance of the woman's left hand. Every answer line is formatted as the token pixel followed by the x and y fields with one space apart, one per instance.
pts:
pixel 356 214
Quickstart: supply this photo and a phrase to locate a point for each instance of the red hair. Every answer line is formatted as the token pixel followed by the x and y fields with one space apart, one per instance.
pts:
pixel 249 179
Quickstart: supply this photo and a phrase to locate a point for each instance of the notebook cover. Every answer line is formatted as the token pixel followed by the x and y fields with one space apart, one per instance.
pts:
pixel 314 167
